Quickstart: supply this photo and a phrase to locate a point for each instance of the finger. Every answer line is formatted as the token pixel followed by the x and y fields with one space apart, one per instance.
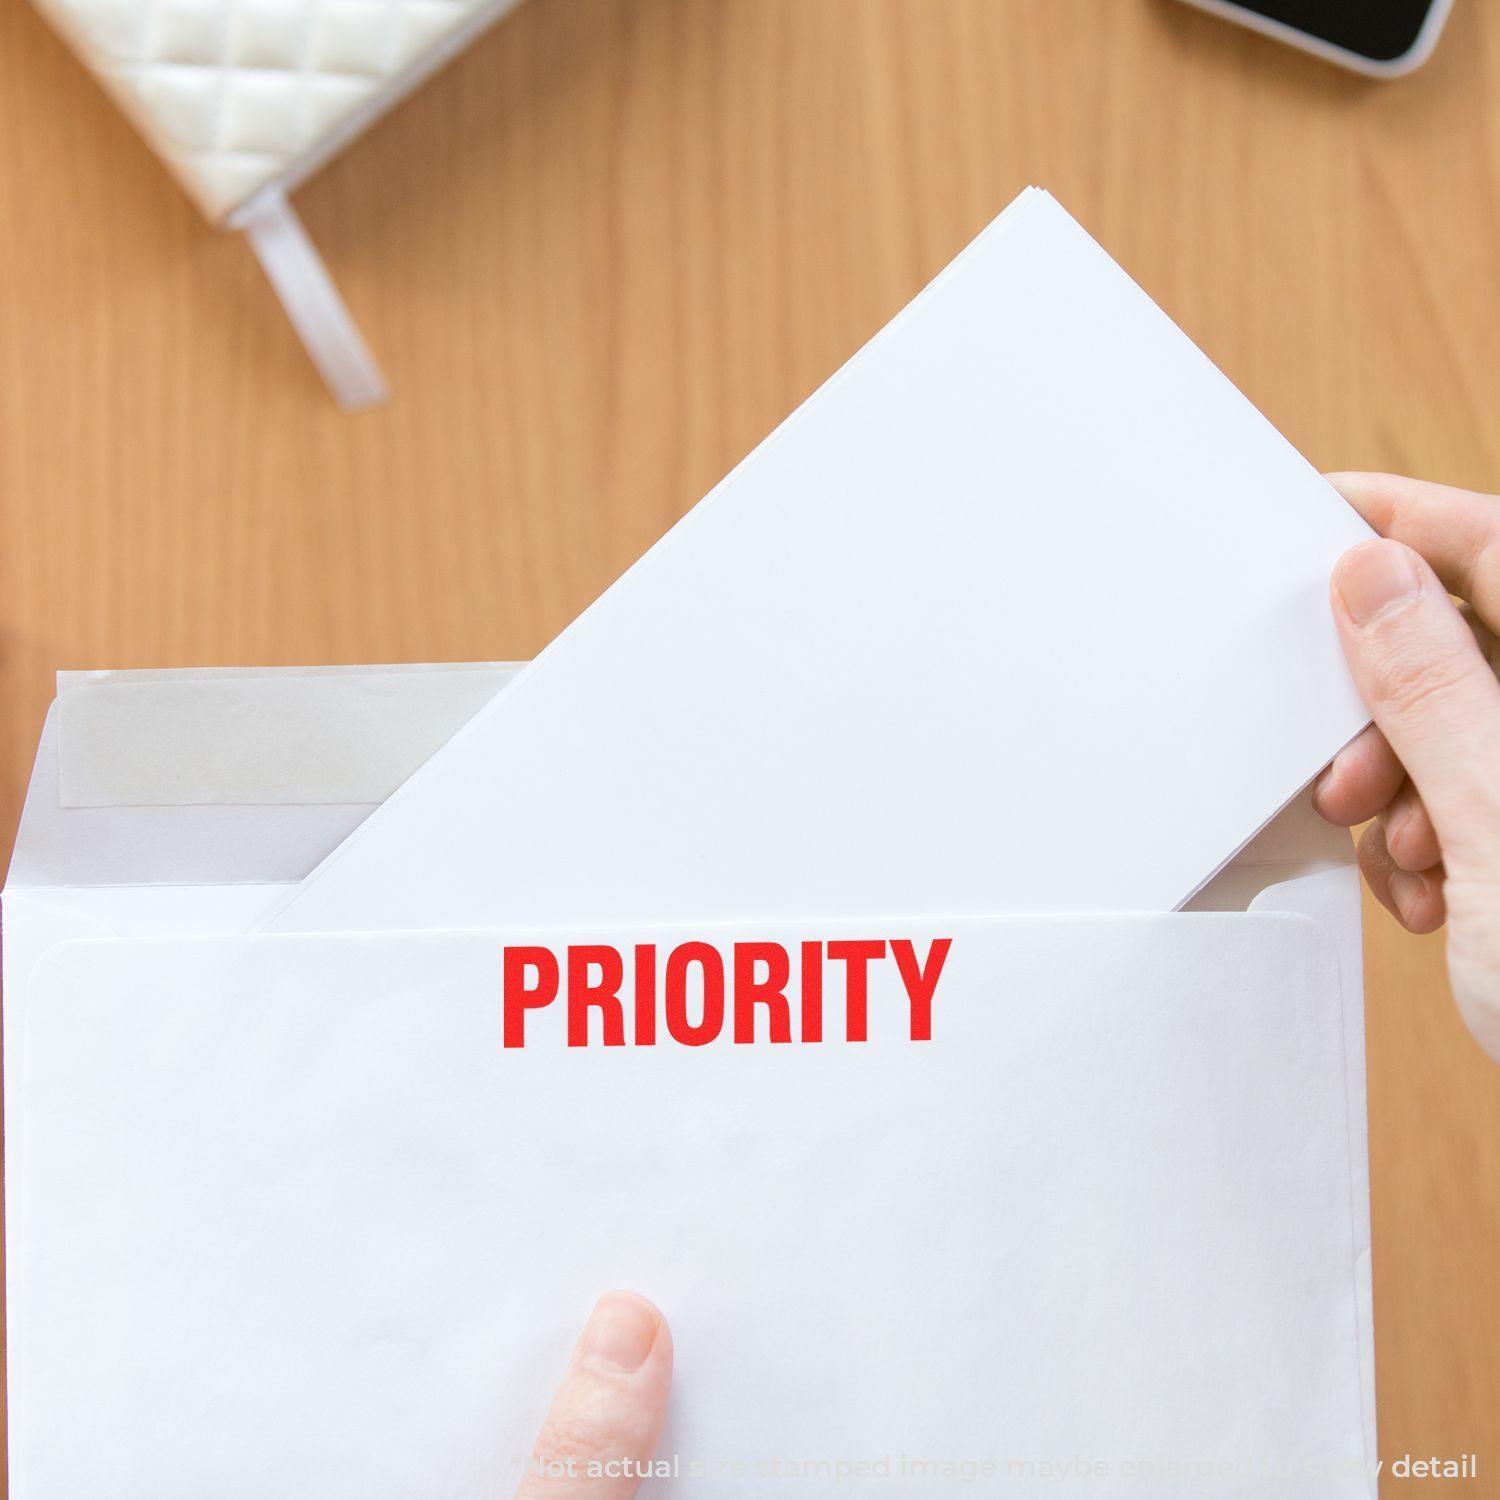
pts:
pixel 1409 834
pixel 607 1416
pixel 1473 960
pixel 1429 689
pixel 1365 775
pixel 1457 531
pixel 1363 778
pixel 1485 638
pixel 1414 899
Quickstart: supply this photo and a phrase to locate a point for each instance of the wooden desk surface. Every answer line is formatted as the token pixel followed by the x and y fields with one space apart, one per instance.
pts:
pixel 607 249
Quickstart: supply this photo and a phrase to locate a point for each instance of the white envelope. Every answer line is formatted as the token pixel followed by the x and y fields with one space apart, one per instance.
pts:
pixel 188 867
pixel 297 1223
pixel 816 659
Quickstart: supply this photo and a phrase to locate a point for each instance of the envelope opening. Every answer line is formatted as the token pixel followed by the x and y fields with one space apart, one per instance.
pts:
pixel 227 775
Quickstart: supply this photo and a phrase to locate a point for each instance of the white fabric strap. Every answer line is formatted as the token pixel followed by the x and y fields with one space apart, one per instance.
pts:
pixel 311 300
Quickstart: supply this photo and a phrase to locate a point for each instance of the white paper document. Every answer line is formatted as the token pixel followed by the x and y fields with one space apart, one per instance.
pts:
pixel 1025 610
pixel 300 1222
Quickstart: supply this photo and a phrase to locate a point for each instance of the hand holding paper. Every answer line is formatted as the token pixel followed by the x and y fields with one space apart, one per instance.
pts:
pixel 1433 691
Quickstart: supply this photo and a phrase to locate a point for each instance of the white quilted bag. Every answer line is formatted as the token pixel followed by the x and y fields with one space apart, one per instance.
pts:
pixel 244 98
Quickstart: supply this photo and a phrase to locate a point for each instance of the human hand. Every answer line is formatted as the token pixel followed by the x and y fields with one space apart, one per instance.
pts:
pixel 1428 769
pixel 607 1415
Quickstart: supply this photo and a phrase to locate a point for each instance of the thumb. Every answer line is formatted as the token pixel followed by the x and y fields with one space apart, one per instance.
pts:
pixel 607 1416
pixel 1429 688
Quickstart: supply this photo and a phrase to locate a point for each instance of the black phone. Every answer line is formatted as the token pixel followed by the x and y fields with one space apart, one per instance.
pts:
pixel 1371 36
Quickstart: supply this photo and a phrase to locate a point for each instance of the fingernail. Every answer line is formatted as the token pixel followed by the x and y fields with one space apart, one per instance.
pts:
pixel 1373 576
pixel 620 1332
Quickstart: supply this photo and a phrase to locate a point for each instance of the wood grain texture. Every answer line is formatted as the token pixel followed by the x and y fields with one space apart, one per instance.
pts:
pixel 605 251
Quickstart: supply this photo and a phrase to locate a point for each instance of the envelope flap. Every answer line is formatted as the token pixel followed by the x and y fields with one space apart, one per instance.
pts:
pixel 227 775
